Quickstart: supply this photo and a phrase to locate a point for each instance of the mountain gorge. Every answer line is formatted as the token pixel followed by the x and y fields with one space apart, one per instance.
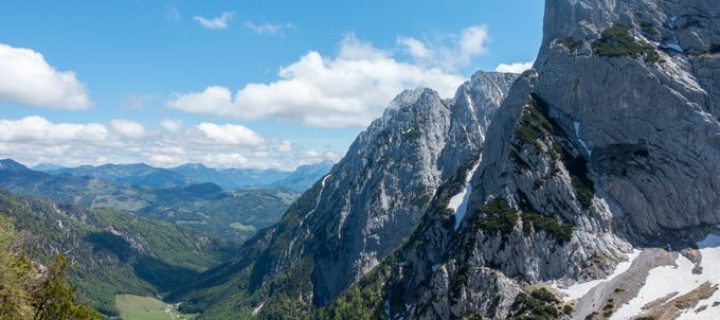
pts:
pixel 565 194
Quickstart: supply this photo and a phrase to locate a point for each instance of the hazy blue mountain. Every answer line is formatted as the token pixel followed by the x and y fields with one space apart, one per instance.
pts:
pixel 149 177
pixel 304 176
pixel 203 207
pixel 47 167
pixel 138 174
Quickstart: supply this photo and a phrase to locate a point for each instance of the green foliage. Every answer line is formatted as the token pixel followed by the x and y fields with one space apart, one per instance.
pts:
pixel 140 256
pixel 560 231
pixel 54 300
pixel 616 41
pixel 28 294
pixel 540 304
pixel 533 127
pixel 363 300
pixel 499 217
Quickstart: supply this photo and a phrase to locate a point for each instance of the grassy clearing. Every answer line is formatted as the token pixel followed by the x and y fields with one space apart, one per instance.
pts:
pixel 147 308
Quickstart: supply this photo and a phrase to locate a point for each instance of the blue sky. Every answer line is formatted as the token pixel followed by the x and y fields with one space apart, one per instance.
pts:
pixel 233 83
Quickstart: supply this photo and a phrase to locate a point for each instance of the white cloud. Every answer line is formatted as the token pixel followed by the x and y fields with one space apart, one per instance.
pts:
pixel 414 47
pixel 449 51
pixel 276 29
pixel 171 125
pixel 220 22
pixel 230 134
pixel 284 147
pixel 34 139
pixel 26 77
pixel 215 100
pixel 517 67
pixel 350 89
pixel 473 40
pixel 36 128
pixel 128 128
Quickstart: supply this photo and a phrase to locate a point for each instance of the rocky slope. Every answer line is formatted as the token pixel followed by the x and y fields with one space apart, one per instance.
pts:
pixel 370 202
pixel 612 142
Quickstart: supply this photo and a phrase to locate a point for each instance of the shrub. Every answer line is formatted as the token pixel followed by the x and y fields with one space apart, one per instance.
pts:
pixel 499 217
pixel 616 41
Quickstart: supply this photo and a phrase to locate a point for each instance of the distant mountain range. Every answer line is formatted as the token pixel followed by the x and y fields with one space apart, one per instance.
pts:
pixel 145 176
pixel 160 194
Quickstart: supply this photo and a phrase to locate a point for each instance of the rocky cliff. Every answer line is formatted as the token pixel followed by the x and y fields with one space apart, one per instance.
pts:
pixel 370 202
pixel 606 150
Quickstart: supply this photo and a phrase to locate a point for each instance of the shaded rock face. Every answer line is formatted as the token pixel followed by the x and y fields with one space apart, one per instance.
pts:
pixel 652 127
pixel 374 198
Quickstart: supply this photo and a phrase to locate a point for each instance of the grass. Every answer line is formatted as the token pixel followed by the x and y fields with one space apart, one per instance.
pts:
pixel 147 308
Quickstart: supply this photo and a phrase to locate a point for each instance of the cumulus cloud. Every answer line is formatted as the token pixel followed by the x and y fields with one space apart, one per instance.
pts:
pixel 128 128
pixel 449 51
pixel 26 77
pixel 230 134
pixel 349 89
pixel 36 128
pixel 34 139
pixel 171 125
pixel 414 47
pixel 217 23
pixel 275 29
pixel 517 67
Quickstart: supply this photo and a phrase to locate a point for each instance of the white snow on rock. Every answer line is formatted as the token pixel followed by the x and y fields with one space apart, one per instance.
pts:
pixel 579 290
pixel 680 279
pixel 582 142
pixel 458 203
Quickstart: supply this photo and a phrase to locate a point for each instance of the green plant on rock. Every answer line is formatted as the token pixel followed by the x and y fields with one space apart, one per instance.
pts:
pixel 499 217
pixel 560 231
pixel 617 41
pixel 570 44
pixel 540 304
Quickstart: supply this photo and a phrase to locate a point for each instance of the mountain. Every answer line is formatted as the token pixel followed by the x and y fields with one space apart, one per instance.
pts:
pixel 206 208
pixel 47 167
pixel 137 175
pixel 82 191
pixel 112 252
pixel 303 177
pixel 368 204
pixel 144 176
pixel 594 196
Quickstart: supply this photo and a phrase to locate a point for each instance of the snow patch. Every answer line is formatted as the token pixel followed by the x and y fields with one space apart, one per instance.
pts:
pixel 665 280
pixel 469 102
pixel 673 46
pixel 579 290
pixel 459 202
pixel 258 308
pixel 582 142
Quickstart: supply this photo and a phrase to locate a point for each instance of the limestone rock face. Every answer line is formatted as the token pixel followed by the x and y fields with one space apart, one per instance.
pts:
pixel 612 141
pixel 376 195
pixel 652 127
